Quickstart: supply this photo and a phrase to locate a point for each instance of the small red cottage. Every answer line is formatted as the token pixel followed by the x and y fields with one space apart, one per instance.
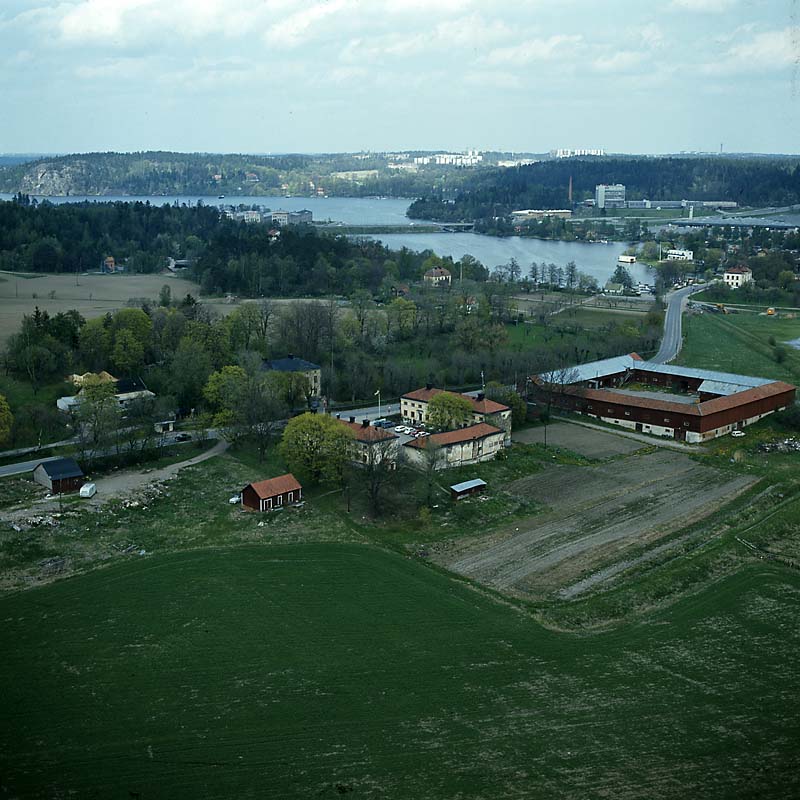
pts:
pixel 272 493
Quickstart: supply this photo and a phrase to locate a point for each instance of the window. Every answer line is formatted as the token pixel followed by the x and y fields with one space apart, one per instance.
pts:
pixel 280 499
pixel 291 497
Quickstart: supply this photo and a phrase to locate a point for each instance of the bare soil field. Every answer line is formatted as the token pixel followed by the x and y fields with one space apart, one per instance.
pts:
pixel 597 514
pixel 585 441
pixel 92 295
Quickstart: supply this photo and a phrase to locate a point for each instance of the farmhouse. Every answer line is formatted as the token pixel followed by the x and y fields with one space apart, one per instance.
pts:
pixel 683 403
pixel 372 444
pixel 272 493
pixel 438 276
pixel 414 408
pixel 127 391
pixel 736 277
pixel 457 448
pixel 313 372
pixel 60 475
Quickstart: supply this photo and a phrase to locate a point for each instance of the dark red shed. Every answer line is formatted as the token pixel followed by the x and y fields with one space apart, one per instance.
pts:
pixel 272 493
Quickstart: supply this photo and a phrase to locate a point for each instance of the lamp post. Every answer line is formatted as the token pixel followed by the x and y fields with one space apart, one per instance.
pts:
pixel 378 393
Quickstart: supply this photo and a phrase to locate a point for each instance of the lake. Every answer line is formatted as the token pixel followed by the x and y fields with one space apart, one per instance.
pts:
pixel 597 260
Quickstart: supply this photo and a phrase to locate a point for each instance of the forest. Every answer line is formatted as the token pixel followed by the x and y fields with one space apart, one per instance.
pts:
pixel 488 194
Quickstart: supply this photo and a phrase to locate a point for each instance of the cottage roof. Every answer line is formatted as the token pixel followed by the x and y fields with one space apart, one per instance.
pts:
pixel 472 433
pixel 289 364
pixel 483 406
pixel 61 468
pixel 738 270
pixel 272 487
pixel 438 272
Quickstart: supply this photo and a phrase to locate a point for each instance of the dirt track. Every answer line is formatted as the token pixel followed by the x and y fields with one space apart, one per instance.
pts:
pixel 596 514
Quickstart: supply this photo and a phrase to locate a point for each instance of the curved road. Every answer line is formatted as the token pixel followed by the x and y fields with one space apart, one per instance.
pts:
pixel 671 341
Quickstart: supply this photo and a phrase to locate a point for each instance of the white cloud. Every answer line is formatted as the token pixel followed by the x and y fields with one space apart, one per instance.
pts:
pixel 765 52
pixel 621 61
pixel 702 6
pixel 554 47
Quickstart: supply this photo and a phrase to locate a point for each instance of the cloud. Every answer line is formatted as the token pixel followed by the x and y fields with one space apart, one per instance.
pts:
pixel 550 49
pixel 770 51
pixel 621 61
pixel 702 6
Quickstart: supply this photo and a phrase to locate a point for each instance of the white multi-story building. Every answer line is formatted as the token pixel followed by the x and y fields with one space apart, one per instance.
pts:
pixel 566 152
pixel 610 195
pixel 680 255
pixel 736 277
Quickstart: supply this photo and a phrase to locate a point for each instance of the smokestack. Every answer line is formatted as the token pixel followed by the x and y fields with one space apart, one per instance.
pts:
pixel 569 195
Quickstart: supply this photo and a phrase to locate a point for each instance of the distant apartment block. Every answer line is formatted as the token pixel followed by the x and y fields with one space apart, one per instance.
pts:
pixel 292 217
pixel 469 159
pixel 566 152
pixel 680 255
pixel 610 195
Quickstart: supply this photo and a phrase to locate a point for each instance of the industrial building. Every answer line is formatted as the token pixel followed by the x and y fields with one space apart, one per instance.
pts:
pixel 683 403
pixel 610 195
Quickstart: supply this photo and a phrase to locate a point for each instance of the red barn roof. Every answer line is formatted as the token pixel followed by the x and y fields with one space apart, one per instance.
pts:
pixel 275 486
pixel 479 431
pixel 368 433
pixel 483 406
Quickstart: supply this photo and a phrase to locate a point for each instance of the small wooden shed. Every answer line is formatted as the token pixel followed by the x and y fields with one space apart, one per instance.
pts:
pixel 60 475
pixel 272 493
pixel 461 490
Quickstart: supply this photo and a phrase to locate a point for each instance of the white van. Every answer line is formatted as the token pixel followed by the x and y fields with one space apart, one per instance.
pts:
pixel 88 490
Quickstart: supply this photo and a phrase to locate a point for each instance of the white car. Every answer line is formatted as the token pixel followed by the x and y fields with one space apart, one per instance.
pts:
pixel 737 434
pixel 400 429
pixel 420 434
pixel 235 499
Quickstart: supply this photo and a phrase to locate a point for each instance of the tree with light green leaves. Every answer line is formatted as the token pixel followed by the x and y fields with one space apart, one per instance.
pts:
pixel 447 411
pixel 317 447
pixel 6 420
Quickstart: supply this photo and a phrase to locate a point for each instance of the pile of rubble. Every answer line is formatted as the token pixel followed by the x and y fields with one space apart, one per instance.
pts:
pixel 786 446
pixel 36 521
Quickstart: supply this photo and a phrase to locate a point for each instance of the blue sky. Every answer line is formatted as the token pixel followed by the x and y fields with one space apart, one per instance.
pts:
pixel 349 75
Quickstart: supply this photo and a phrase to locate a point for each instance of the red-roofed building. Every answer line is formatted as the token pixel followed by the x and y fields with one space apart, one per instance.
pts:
pixel 438 276
pixel 470 445
pixel 372 444
pixel 736 277
pixel 272 493
pixel 414 409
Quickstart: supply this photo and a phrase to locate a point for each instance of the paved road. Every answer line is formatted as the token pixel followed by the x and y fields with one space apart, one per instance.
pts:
pixel 672 339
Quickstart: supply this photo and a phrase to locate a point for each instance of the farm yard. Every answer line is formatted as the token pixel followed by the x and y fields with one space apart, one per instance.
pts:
pixel 595 513
pixel 330 670
pixel 592 444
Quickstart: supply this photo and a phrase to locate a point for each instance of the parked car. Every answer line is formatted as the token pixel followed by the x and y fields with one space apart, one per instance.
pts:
pixel 88 490
pixel 235 499
pixel 182 437
pixel 400 429
pixel 737 434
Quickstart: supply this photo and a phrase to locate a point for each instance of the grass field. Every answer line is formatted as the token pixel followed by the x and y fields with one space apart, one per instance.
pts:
pixel 740 343
pixel 91 295
pixel 329 670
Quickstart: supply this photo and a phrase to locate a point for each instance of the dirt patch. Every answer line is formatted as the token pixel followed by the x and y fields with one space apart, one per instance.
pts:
pixel 593 444
pixel 596 514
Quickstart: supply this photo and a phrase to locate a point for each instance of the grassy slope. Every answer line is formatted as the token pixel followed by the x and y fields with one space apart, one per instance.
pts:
pixel 287 671
pixel 740 343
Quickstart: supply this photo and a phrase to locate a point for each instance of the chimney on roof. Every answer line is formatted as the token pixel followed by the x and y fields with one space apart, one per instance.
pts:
pixel 352 419
pixel 338 416
pixel 429 386
pixel 290 356
pixel 365 422
pixel 481 396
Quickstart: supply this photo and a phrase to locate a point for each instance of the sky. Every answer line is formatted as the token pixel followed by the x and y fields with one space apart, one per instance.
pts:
pixel 276 76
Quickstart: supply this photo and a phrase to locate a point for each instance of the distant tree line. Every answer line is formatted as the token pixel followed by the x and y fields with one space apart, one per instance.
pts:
pixel 490 194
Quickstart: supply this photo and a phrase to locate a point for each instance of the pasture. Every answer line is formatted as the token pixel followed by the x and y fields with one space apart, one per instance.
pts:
pixel 91 295
pixel 332 670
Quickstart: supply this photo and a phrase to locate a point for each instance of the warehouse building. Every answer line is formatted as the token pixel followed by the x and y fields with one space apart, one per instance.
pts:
pixel 683 403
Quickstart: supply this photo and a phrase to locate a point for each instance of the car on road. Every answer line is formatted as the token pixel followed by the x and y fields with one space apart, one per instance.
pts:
pixel 400 429
pixel 737 434
pixel 182 437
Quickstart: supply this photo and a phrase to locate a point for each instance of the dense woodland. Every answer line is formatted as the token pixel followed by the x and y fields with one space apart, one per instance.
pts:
pixel 491 193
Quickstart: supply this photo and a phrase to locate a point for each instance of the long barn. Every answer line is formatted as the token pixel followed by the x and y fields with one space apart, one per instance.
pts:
pixel 682 403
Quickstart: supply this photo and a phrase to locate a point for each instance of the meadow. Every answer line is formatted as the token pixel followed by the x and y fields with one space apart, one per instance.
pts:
pixel 324 670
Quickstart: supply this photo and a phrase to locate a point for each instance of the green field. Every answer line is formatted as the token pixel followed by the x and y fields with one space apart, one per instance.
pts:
pixel 327 670
pixel 740 343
